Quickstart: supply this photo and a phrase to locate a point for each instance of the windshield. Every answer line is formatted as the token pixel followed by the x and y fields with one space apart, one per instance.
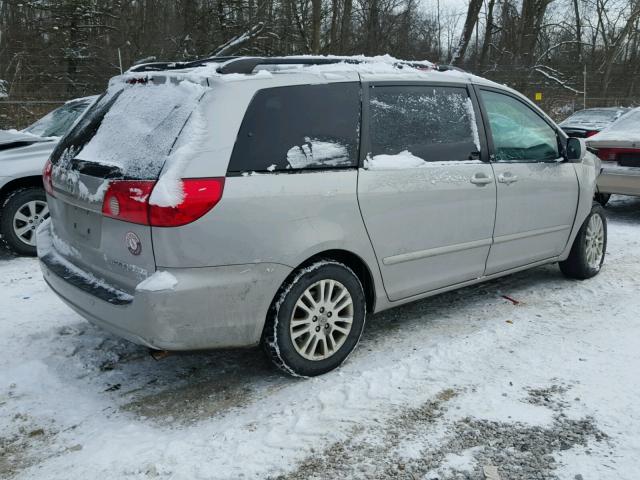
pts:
pixel 130 129
pixel 59 121
pixel 594 116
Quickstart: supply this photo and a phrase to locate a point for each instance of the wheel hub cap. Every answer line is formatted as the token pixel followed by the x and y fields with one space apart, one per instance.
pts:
pixel 321 320
pixel 594 240
pixel 27 219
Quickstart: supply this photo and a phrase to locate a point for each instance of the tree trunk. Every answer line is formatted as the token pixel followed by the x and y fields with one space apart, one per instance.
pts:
pixel 488 35
pixel 616 48
pixel 333 36
pixel 373 27
pixel 472 16
pixel 533 12
pixel 345 27
pixel 316 14
pixel 578 29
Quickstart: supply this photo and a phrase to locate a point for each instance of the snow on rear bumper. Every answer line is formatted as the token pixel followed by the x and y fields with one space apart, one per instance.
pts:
pixel 209 307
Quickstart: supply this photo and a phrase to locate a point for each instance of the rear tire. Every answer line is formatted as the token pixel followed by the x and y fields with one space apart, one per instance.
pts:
pixel 589 247
pixel 316 319
pixel 602 198
pixel 23 210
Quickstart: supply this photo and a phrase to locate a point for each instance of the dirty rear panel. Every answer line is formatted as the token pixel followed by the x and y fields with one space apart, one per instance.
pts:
pixel 98 244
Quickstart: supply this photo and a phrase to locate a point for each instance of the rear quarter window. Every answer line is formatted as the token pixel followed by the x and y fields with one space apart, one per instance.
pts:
pixel 301 127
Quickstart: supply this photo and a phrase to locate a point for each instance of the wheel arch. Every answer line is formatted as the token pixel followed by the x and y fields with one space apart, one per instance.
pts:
pixel 355 263
pixel 351 260
pixel 17 183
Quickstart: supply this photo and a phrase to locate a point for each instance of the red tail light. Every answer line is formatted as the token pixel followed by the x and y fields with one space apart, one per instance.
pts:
pixel 590 133
pixel 613 154
pixel 46 177
pixel 200 196
pixel 607 154
pixel 128 200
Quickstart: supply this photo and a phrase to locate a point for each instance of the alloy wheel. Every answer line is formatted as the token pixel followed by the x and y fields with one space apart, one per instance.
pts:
pixel 594 239
pixel 321 320
pixel 27 219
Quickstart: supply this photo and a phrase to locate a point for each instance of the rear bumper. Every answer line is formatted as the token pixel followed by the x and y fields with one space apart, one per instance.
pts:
pixel 620 180
pixel 211 307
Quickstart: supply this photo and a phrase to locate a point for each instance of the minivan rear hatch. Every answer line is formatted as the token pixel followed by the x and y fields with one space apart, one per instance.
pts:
pixel 125 138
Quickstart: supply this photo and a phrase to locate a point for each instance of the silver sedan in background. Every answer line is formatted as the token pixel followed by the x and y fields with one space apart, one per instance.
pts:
pixel 619 149
pixel 23 153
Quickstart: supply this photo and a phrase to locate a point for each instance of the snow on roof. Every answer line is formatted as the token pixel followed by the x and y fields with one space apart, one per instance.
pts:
pixel 376 67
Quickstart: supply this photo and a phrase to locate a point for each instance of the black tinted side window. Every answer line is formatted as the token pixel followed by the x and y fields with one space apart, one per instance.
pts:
pixel 431 123
pixel 299 127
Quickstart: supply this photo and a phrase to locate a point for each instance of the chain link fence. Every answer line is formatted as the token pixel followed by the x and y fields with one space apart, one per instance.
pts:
pixel 19 114
pixel 560 108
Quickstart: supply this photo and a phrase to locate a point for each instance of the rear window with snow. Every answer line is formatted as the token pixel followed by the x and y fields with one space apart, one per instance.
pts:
pixel 299 127
pixel 594 115
pixel 630 123
pixel 131 129
pixel 430 123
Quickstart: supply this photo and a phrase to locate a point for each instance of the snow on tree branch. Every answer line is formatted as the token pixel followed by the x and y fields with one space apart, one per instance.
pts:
pixel 238 41
pixel 562 83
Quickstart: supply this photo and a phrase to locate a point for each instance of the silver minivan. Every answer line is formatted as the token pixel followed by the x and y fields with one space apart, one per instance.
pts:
pixel 277 201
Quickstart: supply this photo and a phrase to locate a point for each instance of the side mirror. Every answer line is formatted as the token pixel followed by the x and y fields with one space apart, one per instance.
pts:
pixel 575 150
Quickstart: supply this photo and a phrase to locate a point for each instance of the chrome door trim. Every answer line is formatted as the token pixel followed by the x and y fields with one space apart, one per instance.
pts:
pixel 485 278
pixel 432 252
pixel 530 233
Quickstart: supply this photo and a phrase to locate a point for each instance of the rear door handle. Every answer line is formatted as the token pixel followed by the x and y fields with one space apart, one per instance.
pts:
pixel 507 178
pixel 481 179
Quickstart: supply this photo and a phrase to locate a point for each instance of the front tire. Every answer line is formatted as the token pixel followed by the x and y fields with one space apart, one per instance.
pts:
pixel 589 247
pixel 23 210
pixel 316 319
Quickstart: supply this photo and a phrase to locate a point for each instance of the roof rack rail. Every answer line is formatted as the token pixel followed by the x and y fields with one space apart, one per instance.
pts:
pixel 248 64
pixel 448 68
pixel 157 66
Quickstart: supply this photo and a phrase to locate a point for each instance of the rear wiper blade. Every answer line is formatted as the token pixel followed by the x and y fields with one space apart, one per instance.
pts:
pixel 96 169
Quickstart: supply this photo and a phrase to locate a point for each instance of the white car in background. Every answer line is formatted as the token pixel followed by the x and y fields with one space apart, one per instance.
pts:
pixel 619 149
pixel 23 153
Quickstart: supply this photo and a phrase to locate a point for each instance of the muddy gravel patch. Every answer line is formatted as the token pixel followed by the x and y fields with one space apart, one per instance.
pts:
pixel 442 449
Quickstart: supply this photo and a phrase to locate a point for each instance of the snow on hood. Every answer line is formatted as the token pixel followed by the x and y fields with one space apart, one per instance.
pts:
pixel 16 136
pixel 625 129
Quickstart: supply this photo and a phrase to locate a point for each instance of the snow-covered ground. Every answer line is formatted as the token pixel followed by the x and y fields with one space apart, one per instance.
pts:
pixel 547 388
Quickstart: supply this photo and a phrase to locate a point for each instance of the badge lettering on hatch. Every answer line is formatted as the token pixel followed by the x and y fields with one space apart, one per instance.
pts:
pixel 134 245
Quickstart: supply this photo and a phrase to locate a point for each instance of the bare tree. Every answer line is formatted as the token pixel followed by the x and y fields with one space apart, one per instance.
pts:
pixel 469 24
